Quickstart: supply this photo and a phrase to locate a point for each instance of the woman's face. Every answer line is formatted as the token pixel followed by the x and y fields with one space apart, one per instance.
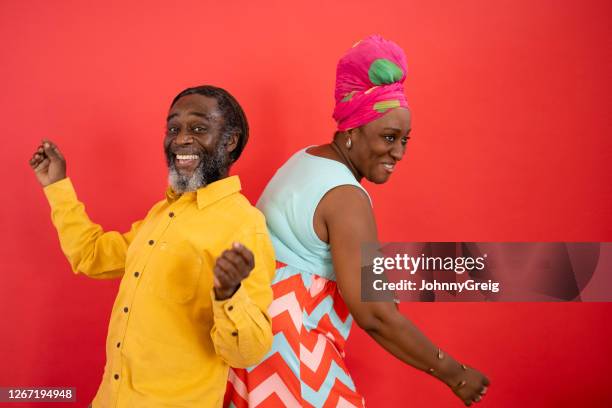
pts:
pixel 379 145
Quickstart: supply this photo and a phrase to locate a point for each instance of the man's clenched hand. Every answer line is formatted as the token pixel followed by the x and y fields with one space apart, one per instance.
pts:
pixel 48 163
pixel 231 268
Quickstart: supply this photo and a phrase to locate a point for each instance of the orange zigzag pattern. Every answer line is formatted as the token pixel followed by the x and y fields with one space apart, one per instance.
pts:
pixel 272 383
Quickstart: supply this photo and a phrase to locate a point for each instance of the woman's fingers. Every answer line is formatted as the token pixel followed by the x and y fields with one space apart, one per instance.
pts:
pixel 472 390
pixel 480 394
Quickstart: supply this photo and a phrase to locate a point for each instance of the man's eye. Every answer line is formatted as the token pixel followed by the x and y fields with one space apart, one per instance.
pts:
pixel 172 129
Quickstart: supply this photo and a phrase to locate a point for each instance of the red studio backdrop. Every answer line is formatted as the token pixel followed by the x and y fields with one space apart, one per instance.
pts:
pixel 510 142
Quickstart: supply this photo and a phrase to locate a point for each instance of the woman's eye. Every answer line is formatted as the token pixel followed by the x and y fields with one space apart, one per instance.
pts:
pixel 404 140
pixel 390 138
pixel 198 129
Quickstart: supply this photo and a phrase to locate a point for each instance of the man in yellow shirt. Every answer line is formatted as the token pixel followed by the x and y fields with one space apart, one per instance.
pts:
pixel 195 272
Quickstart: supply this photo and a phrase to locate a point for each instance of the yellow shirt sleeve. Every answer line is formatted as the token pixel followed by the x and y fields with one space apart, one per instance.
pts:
pixel 242 330
pixel 89 249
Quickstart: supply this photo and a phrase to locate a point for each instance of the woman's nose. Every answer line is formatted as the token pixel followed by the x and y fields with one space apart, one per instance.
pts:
pixel 397 151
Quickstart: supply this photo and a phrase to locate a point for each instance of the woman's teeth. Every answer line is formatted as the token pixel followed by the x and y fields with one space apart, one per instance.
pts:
pixel 388 167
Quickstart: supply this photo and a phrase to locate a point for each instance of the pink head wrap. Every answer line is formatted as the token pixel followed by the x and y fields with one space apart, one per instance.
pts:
pixel 369 82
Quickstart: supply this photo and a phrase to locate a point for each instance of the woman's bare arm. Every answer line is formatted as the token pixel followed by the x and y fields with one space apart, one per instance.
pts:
pixel 346 213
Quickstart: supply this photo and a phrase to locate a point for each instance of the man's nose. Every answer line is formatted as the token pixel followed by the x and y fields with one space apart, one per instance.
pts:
pixel 183 137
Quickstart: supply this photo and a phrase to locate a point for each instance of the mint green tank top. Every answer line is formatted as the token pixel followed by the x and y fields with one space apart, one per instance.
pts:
pixel 289 202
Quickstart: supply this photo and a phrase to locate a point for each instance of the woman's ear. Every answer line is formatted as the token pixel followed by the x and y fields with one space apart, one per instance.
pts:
pixel 354 134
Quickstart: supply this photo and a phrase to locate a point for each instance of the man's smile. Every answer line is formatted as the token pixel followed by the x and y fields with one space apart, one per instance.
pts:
pixel 186 162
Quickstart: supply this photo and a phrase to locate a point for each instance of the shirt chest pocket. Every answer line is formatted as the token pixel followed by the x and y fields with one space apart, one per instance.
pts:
pixel 174 271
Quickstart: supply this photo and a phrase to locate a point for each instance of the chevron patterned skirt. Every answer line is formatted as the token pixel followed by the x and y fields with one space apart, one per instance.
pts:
pixel 305 367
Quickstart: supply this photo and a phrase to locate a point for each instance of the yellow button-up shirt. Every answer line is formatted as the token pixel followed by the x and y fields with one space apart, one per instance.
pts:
pixel 169 341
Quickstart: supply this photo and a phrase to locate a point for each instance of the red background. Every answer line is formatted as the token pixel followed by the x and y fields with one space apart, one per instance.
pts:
pixel 510 141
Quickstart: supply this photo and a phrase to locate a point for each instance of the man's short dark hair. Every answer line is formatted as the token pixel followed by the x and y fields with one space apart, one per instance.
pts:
pixel 234 118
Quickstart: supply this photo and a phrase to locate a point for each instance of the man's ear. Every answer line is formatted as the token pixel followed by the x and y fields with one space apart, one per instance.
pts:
pixel 232 143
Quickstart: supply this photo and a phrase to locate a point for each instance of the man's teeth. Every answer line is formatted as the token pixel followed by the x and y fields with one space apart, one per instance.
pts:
pixel 187 156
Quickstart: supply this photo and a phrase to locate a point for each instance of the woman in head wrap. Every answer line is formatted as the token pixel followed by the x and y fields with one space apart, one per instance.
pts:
pixel 318 216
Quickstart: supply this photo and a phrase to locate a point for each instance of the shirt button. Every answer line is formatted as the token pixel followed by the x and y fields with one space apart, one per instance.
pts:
pixel 151 242
pixel 116 376
pixel 230 308
pixel 136 273
pixel 118 344
pixel 125 309
pixel 234 333
pixel 171 214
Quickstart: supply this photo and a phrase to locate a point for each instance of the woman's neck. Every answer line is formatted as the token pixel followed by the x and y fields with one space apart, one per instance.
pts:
pixel 345 159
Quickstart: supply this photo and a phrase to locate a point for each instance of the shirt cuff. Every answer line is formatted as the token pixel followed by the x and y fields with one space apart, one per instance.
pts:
pixel 59 192
pixel 231 308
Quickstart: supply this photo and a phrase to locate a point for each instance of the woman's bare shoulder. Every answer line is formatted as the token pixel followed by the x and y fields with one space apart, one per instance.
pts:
pixel 345 201
pixel 324 151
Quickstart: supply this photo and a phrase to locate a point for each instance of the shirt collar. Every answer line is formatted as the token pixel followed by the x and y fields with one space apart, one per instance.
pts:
pixel 209 194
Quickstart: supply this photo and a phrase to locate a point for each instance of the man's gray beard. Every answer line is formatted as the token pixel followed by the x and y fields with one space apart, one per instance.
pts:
pixel 208 171
pixel 181 183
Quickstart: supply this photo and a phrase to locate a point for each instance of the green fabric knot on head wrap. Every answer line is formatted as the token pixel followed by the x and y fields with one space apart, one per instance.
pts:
pixel 382 71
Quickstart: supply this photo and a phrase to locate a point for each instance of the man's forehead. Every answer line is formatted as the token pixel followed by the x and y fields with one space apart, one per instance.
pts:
pixel 196 105
pixel 209 116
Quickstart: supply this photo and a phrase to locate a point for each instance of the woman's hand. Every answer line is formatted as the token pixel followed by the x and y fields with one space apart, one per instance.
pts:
pixel 468 384
pixel 48 163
